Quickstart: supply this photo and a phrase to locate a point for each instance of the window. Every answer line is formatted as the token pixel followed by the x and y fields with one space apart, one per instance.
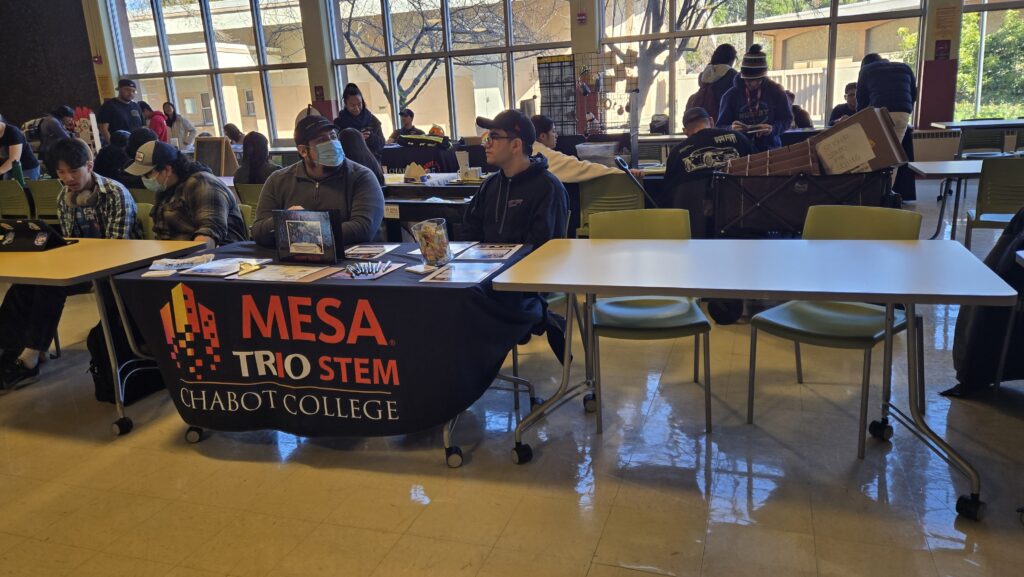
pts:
pixel 152 91
pixel 526 76
pixel 798 60
pixel 289 91
pixel 786 11
pixel 461 61
pixel 207 43
pixel 695 53
pixel 990 77
pixel 893 39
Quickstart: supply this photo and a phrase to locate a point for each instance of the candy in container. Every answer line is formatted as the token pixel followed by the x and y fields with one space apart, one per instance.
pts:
pixel 432 235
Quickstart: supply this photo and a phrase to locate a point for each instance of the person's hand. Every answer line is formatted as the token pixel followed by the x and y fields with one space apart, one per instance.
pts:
pixel 739 126
pixel 842 118
pixel 759 128
pixel 296 207
pixel 366 136
pixel 637 172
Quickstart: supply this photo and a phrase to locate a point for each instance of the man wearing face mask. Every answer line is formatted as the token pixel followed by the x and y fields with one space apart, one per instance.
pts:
pixel 191 203
pixel 323 180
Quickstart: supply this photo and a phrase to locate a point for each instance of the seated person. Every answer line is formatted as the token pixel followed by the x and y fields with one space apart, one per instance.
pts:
pixel 705 149
pixel 256 166
pixel 801 118
pixel 522 203
pixel 323 180
pixel 191 203
pixel 407 129
pixel 566 168
pixel 89 206
pixel 114 156
pixel 847 108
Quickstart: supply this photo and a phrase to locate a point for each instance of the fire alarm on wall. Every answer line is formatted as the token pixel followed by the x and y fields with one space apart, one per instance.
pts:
pixel 581 17
pixel 97 59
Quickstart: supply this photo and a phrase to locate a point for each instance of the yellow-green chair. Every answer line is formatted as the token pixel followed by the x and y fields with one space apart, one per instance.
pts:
pixel 13 201
pixel 143 195
pixel 249 193
pixel 1000 195
pixel 44 197
pixel 248 216
pixel 649 317
pixel 605 194
pixel 143 213
pixel 838 325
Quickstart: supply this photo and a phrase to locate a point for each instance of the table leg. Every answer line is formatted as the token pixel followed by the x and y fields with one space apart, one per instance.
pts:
pixel 943 191
pixel 960 182
pixel 592 352
pixel 881 429
pixel 123 425
pixel 969 506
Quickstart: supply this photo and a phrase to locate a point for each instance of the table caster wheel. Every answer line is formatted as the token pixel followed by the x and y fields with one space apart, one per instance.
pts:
pixel 521 454
pixel 535 402
pixel 122 426
pixel 453 457
pixel 970 507
pixel 193 435
pixel 880 430
pixel 590 403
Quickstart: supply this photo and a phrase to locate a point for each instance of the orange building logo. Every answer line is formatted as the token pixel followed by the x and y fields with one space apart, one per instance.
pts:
pixel 191 332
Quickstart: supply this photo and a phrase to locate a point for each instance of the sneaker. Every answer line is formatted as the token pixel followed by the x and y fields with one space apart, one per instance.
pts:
pixel 18 376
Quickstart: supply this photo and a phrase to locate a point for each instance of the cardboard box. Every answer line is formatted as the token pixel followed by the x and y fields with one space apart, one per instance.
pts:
pixel 864 142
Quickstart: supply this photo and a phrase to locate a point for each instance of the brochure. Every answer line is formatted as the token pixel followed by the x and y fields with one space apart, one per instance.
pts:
pixel 180 263
pixel 305 236
pixel 369 251
pixel 488 251
pixel 286 273
pixel 225 266
pixel 463 272
pixel 370 270
pixel 456 247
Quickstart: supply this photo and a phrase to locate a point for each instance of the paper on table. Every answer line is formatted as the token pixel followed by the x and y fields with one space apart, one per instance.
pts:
pixel 282 273
pixel 846 150
pixel 463 272
pixel 180 263
pixel 158 273
pixel 369 251
pixel 456 247
pixel 489 251
pixel 223 267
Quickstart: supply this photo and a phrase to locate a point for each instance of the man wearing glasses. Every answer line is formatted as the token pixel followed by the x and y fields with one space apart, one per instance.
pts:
pixel 522 203
pixel 846 109
pixel 323 180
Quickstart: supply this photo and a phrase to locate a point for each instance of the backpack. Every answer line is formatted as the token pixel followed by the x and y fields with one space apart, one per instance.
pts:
pixel 137 384
pixel 31 129
pixel 704 98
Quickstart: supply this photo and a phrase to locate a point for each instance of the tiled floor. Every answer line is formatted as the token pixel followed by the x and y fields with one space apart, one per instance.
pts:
pixel 653 495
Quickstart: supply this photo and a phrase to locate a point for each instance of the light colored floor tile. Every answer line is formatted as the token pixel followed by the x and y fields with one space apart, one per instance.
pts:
pixel 392 508
pixel 736 550
pixel 847 559
pixel 468 517
pixel 665 542
pixel 250 545
pixel 174 533
pixel 555 528
pixel 508 563
pixel 331 550
pixel 970 564
pixel 107 565
pixel 30 512
pixel 415 556
pixel 598 570
pixel 852 515
pixel 32 558
pixel 187 572
pixel 103 520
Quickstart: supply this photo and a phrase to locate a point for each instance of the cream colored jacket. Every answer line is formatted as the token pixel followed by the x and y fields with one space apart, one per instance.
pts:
pixel 570 169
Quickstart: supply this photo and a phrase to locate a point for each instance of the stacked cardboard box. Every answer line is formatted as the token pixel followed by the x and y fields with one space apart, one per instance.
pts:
pixel 864 142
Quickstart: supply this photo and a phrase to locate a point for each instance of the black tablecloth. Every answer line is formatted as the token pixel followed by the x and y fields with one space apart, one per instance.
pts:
pixel 433 159
pixel 359 358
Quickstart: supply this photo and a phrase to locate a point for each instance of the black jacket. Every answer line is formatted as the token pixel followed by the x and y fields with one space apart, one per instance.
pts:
pixel 772 108
pixel 364 121
pixel 838 112
pixel 887 84
pixel 529 208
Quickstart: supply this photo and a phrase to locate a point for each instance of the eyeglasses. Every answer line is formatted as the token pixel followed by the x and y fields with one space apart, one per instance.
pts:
pixel 488 139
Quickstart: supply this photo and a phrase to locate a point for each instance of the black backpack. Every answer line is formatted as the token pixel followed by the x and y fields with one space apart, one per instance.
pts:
pixel 137 383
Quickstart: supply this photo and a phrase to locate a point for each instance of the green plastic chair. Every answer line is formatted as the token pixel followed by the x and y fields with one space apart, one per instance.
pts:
pixel 143 195
pixel 248 216
pixel 249 193
pixel 1000 195
pixel 838 325
pixel 606 194
pixel 143 212
pixel 980 143
pixel 649 317
pixel 44 197
pixel 13 200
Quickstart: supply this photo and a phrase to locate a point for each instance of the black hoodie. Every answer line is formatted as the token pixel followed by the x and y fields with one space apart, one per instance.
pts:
pixel 364 121
pixel 529 208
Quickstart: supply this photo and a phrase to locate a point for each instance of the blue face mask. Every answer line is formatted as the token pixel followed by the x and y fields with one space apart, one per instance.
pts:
pixel 330 153
pixel 153 185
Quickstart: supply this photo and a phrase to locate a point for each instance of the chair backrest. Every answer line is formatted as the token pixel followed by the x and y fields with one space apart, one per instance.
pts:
pixel 143 195
pixel 651 223
pixel 982 139
pixel 248 216
pixel 13 200
pixel 143 210
pixel 44 196
pixel 835 222
pixel 249 193
pixel 1001 189
pixel 606 194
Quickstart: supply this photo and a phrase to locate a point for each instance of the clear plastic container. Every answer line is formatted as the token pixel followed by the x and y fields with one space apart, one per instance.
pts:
pixel 432 236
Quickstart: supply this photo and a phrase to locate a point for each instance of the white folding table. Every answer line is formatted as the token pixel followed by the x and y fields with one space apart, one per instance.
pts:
pixel 890 272
pixel 948 170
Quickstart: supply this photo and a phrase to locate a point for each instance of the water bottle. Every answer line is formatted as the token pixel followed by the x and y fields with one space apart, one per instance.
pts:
pixel 17 173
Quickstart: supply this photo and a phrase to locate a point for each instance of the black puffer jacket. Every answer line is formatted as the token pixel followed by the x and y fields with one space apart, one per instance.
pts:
pixel 887 84
pixel 365 120
pixel 529 208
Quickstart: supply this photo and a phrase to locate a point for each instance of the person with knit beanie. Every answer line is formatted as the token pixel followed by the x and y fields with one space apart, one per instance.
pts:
pixel 755 105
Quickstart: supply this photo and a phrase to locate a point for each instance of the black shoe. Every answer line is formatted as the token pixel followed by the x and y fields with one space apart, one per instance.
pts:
pixel 963 392
pixel 555 330
pixel 18 376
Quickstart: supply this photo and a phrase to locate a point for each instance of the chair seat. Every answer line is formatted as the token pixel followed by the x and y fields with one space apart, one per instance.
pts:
pixel 828 324
pixel 982 154
pixel 649 317
pixel 999 220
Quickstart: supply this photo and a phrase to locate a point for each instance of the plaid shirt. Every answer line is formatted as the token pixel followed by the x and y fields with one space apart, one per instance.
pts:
pixel 199 205
pixel 115 210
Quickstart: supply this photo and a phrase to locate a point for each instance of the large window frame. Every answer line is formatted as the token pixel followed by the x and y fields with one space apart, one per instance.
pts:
pixel 214 70
pixel 749 28
pixel 510 53
pixel 981 9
